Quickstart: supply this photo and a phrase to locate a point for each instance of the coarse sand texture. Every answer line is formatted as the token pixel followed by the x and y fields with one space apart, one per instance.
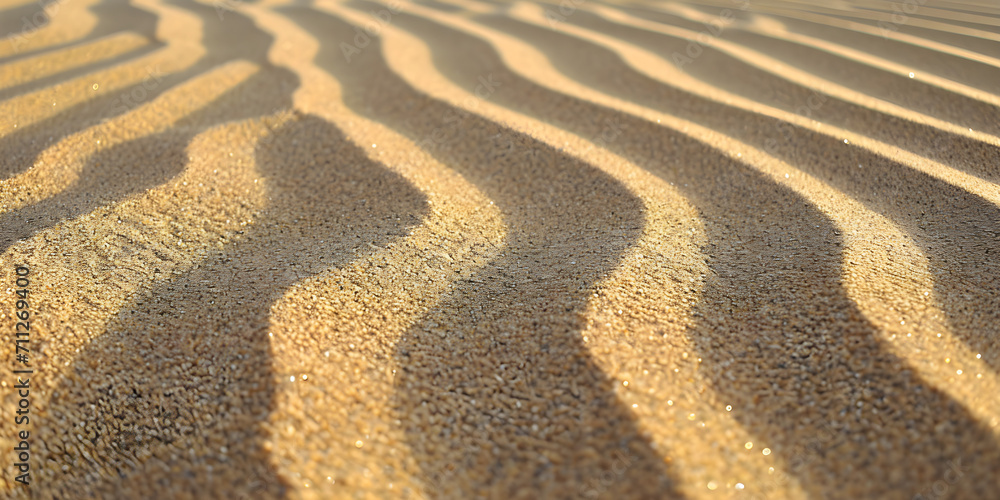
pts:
pixel 478 249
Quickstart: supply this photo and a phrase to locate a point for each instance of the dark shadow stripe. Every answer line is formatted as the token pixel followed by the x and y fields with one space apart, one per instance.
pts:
pixel 113 16
pixel 206 331
pixel 69 74
pixel 781 340
pixel 973 73
pixel 955 229
pixel 22 20
pixel 26 143
pixel 322 194
pixel 731 74
pixel 132 167
pixel 897 89
pixel 518 317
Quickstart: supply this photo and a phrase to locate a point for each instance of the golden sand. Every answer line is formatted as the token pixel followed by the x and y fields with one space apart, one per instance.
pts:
pixel 477 249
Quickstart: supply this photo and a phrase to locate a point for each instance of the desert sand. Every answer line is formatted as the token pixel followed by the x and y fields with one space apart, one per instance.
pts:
pixel 461 249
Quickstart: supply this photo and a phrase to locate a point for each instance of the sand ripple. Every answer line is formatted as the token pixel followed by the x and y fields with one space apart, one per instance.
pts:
pixel 482 249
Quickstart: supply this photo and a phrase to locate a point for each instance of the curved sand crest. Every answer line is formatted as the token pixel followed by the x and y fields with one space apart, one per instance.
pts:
pixel 840 209
pixel 504 373
pixel 821 200
pixel 644 287
pixel 286 274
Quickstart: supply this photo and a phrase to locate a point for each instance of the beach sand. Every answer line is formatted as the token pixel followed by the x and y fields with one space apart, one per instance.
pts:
pixel 468 249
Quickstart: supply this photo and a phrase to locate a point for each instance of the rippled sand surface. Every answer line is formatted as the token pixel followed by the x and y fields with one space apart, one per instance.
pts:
pixel 467 249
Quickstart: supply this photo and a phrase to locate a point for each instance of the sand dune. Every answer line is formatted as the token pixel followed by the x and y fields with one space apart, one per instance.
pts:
pixel 484 249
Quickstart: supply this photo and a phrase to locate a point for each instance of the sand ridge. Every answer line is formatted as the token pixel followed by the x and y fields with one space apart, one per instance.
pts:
pixel 480 249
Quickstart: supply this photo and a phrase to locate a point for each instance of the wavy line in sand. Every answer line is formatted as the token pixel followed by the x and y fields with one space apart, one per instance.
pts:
pixel 817 21
pixel 842 64
pixel 766 81
pixel 588 113
pixel 981 191
pixel 974 81
pixel 65 21
pixel 461 233
pixel 912 21
pixel 34 68
pixel 869 273
pixel 958 285
pixel 935 38
pixel 119 249
pixel 861 249
pixel 177 28
pixel 168 149
pixel 642 308
pixel 643 281
pixel 60 166
pixel 655 68
pixel 486 388
pixel 456 209
pixel 964 35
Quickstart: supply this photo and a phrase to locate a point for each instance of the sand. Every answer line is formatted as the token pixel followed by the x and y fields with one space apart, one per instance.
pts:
pixel 467 249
